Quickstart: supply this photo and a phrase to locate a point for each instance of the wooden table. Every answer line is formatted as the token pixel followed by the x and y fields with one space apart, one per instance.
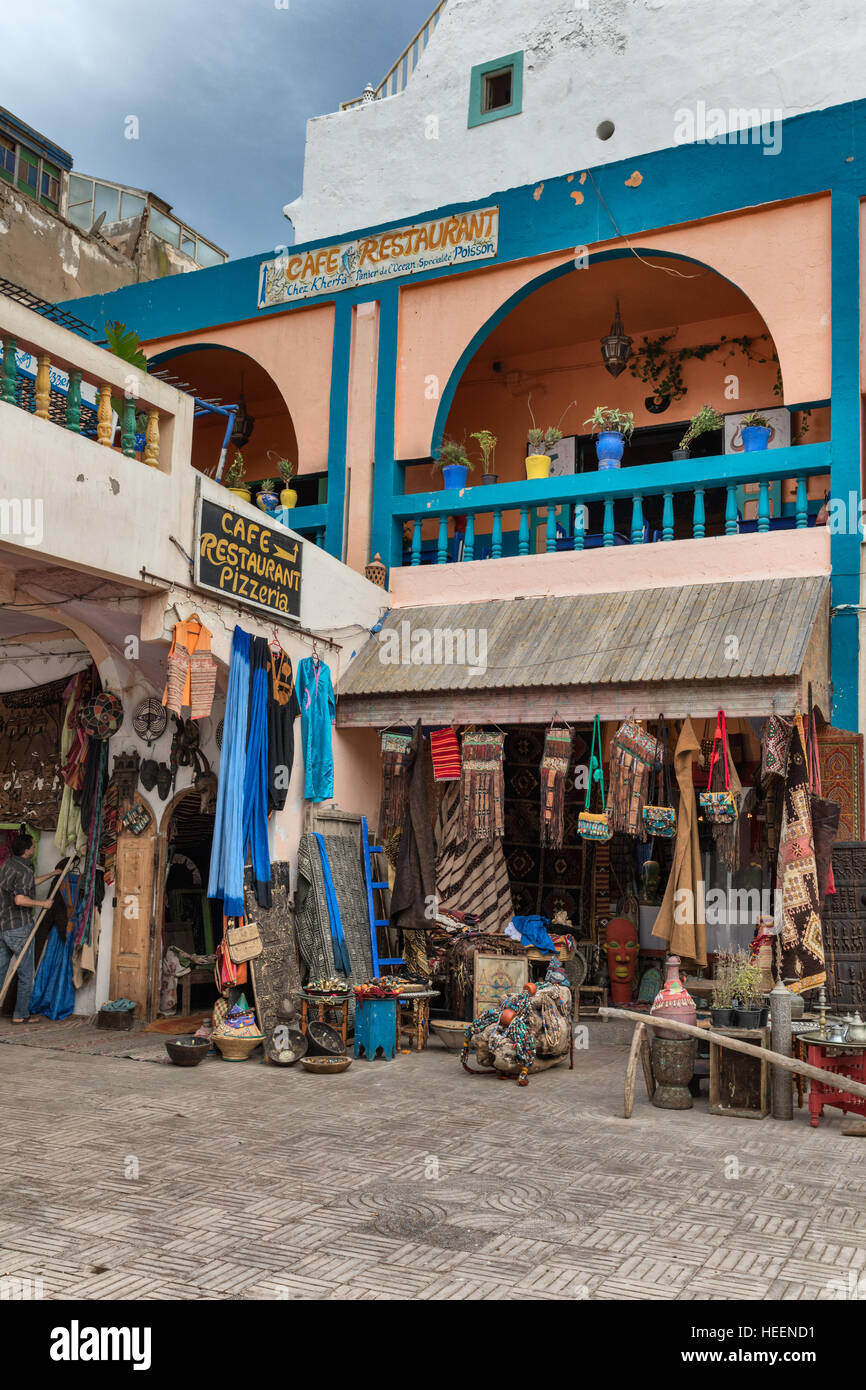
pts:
pixel 326 1003
pixel 413 1017
pixel 845 1061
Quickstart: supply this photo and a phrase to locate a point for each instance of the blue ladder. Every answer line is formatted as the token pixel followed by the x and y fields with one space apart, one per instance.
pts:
pixel 367 851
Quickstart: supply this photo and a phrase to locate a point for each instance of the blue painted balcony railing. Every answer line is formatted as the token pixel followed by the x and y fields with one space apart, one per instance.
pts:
pixel 309 522
pixel 681 486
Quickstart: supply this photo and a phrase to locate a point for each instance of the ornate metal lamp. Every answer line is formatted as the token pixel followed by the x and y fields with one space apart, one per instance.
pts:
pixel 244 422
pixel 616 346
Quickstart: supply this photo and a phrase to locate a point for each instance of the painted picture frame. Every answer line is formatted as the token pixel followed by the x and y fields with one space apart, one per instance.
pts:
pixel 495 977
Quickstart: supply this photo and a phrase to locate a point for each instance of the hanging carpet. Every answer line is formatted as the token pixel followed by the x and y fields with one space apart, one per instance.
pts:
pixel 31 726
pixel 471 875
pixel 802 938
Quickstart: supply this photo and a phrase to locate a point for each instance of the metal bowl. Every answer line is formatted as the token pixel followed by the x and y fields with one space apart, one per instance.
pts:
pixel 326 1066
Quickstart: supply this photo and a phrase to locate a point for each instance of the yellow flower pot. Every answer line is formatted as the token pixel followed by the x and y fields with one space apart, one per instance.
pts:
pixel 538 466
pixel 242 492
pixel 288 497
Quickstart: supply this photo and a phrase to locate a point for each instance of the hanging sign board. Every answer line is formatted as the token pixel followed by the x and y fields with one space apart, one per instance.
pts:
pixel 250 561
pixel 460 239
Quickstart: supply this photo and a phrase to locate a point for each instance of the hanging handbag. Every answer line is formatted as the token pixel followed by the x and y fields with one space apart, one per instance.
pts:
pixel 593 825
pixel 244 942
pixel 719 807
pixel 661 821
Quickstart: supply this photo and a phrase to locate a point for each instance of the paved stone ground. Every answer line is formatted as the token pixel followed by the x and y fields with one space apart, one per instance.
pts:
pixel 410 1179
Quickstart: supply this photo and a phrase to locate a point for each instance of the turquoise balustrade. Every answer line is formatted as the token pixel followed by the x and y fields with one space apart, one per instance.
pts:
pixel 681 487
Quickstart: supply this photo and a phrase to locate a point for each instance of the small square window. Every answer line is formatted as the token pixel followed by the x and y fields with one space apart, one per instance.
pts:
pixel 496 89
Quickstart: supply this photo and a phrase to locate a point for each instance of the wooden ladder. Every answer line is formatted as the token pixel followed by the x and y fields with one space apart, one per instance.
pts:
pixel 373 885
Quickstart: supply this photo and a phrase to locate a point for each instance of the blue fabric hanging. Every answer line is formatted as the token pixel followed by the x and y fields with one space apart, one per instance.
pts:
pixel 338 940
pixel 226 879
pixel 53 991
pixel 318 711
pixel 256 776
pixel 533 932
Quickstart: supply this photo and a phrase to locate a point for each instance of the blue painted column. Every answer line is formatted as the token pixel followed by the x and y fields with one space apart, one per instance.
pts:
pixel 386 535
pixel 337 418
pixel 845 474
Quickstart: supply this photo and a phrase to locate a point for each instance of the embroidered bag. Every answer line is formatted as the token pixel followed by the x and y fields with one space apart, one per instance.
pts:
pixel 661 821
pixel 591 825
pixel 244 942
pixel 634 756
pixel 719 807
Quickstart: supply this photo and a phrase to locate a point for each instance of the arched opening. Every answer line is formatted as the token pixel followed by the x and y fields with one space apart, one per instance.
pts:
pixel 184 917
pixel 223 377
pixel 696 339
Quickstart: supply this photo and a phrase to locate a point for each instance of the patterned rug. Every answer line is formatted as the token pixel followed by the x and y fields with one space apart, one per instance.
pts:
pixel 542 880
pixel 80 1035
pixel 841 756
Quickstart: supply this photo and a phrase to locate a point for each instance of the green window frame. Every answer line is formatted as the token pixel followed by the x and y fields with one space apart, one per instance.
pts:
pixel 479 85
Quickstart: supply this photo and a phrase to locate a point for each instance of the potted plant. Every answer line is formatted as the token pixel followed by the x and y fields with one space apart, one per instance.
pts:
pixel 723 991
pixel 235 476
pixel 614 429
pixel 748 991
pixel 537 461
pixel 454 463
pixel 487 444
pixel 267 497
pixel 754 432
pixel 287 470
pixel 707 418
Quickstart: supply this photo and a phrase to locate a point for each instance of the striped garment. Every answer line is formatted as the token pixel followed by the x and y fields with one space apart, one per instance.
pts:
pixel 471 875
pixel 445 752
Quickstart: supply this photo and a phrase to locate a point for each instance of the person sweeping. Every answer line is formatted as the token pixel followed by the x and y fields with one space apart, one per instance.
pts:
pixel 17 885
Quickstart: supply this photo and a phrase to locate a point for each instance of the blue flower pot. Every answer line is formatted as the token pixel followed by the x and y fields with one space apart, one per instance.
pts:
pixel 755 437
pixel 454 475
pixel 268 501
pixel 609 447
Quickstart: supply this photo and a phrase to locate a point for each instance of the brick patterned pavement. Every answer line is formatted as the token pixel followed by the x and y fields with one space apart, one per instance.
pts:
pixel 121 1179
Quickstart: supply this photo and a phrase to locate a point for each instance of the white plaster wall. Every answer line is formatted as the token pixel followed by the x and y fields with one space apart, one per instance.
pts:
pixel 633 62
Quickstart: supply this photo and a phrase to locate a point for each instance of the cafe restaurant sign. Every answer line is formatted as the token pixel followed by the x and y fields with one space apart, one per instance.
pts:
pixel 250 561
pixel 460 239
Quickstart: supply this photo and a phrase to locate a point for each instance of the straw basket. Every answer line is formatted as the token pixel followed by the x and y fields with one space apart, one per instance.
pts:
pixel 238 1049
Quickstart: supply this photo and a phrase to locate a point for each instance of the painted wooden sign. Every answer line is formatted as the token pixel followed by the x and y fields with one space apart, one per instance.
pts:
pixel 249 560
pixel 454 240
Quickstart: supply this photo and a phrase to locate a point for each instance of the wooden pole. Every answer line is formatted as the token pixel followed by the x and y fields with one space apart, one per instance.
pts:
pixel 763 1054
pixel 14 964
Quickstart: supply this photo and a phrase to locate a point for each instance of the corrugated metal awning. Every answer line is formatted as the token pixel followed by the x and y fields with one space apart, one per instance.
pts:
pixel 756 634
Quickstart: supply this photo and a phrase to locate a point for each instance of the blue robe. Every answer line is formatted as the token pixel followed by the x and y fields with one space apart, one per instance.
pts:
pixel 318 710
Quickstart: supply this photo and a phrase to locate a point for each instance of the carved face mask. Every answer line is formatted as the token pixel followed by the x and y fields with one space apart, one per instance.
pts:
pixel 621 944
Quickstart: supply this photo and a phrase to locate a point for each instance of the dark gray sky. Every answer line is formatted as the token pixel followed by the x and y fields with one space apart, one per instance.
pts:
pixel 222 90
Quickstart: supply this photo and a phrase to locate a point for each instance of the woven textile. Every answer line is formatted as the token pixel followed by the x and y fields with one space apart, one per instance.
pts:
pixel 801 937
pixel 634 754
pixel 482 785
pixel 31 786
pixel 392 811
pixel 775 742
pixel 840 754
pixel 471 875
pixel 554 771
pixel 446 755
pixel 312 919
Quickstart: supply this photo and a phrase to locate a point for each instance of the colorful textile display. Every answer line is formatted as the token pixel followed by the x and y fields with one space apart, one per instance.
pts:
pixel 634 753
pixel 226 879
pixel 191 670
pixel 415 875
pixel 775 742
pixel 470 875
pixel 283 710
pixel 595 825
pixel 392 810
pixel 445 751
pixel 554 772
pixel 840 755
pixel 256 773
pixel 69 836
pixel 482 785
pixel 318 712
pixel 801 937
pixel 681 922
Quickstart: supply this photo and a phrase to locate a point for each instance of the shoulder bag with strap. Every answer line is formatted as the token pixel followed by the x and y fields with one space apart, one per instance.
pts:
pixel 719 807
pixel 590 825
pixel 661 821
pixel 244 942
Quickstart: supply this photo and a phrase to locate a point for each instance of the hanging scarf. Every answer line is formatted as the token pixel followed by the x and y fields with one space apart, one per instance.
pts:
pixel 801 936
pixel 446 755
pixel 226 879
pixel 482 786
pixel 342 964
pixel 634 753
pixel 256 774
pixel 92 797
pixel 554 771
pixel 392 813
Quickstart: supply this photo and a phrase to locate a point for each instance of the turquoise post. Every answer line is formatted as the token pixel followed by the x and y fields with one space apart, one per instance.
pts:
pixel 496 545
pixel 608 521
pixel 73 403
pixel 668 517
pixel 469 538
pixel 416 542
pixel 442 543
pixel 802 504
pixel 764 506
pixel 550 535
pixel 579 526
pixel 699 521
pixel 523 533
pixel 730 511
pixel 9 380
pixel 637 519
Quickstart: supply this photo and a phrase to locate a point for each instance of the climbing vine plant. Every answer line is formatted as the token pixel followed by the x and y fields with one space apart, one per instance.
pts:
pixel 659 364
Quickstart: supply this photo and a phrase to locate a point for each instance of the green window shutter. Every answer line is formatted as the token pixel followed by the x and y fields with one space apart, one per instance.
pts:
pixel 496 89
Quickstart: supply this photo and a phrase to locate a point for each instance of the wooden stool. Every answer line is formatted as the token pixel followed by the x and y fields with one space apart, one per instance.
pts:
pixel 591 1010
pixel 195 977
pixel 413 1017
pixel 327 1003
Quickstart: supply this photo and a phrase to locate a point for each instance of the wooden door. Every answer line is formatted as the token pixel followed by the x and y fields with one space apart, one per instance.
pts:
pixel 133 914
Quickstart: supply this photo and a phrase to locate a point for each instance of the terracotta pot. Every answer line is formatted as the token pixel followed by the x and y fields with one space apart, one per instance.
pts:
pixel 538 466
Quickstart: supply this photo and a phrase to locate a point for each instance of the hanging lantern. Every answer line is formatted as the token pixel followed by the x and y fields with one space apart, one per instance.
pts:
pixel 376 571
pixel 243 426
pixel 616 346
